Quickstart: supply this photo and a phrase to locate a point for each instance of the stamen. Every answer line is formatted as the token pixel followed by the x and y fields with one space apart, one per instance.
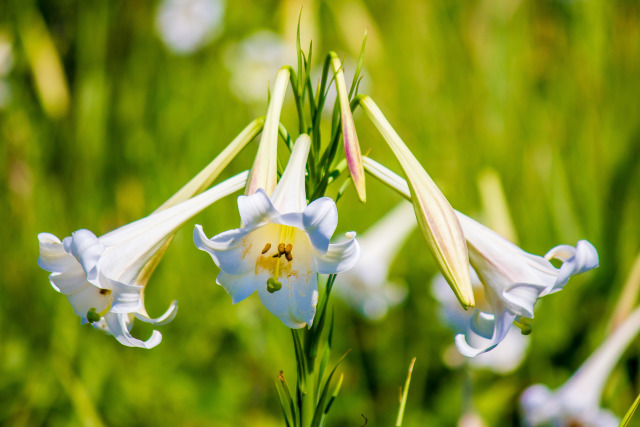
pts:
pixel 266 248
pixel 281 248
pixel 287 250
pixel 288 256
pixel 104 291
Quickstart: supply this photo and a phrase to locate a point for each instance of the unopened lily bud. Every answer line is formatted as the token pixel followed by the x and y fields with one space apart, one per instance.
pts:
pixel 436 217
pixel 264 173
pixel 349 136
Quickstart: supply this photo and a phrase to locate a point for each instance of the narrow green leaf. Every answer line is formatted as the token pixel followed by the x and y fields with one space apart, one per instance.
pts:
pixel 317 417
pixel 630 412
pixel 283 405
pixel 405 394
pixel 325 355
pixel 292 407
pixel 356 77
pixel 336 390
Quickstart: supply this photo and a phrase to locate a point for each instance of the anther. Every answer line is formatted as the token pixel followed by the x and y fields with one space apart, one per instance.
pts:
pixel 104 291
pixel 288 256
pixel 281 248
pixel 266 248
pixel 287 250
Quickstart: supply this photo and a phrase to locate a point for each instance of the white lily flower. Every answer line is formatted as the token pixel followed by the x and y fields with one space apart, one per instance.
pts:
pixel 577 402
pixel 513 279
pixel 282 246
pixel 187 25
pixel 507 355
pixel 104 277
pixel 366 287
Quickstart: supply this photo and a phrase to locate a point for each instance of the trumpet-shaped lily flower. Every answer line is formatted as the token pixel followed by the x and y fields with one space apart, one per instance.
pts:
pixel 282 245
pixel 577 402
pixel 104 277
pixel 513 279
pixel 366 287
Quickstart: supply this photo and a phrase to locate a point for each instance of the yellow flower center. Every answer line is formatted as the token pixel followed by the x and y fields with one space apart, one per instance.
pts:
pixel 274 261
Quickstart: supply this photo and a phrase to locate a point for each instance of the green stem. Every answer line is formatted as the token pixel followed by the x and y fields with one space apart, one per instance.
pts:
pixel 308 396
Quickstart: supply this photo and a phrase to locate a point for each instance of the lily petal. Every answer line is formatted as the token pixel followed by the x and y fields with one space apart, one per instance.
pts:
pixel 320 220
pixel 117 324
pixel 87 298
pixel 238 287
pixel 295 304
pixel 340 256
pixel 472 344
pixel 87 249
pixel 165 318
pixel 521 297
pixel 583 257
pixel 256 208
pixel 226 249
pixel 289 195
pixel 53 257
pixel 126 298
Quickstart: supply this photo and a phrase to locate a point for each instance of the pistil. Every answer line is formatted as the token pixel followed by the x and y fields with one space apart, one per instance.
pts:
pixel 286 235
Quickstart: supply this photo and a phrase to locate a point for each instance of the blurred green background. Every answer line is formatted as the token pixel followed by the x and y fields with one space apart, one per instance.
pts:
pixel 101 120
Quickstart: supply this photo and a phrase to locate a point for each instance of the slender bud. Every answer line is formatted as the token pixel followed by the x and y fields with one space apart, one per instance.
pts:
pixel 349 136
pixel 264 173
pixel 436 217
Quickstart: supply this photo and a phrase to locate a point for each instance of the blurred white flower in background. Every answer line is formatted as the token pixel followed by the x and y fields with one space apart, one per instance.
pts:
pixel 507 355
pixel 187 25
pixel 254 61
pixel 6 65
pixel 577 402
pixel 366 287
